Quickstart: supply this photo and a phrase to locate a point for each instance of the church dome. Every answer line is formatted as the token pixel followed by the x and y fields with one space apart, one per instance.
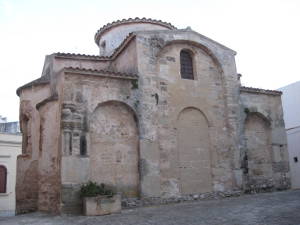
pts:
pixel 111 35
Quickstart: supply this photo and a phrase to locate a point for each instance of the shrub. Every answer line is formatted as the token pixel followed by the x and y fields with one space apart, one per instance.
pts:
pixel 92 189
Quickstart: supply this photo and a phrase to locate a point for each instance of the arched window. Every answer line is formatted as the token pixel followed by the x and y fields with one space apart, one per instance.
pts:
pixel 186 65
pixel 3 178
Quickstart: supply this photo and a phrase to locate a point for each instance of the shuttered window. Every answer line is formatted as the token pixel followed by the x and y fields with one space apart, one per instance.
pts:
pixel 186 65
pixel 3 177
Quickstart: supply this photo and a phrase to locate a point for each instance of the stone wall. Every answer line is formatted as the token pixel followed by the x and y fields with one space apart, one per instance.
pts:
pixel 126 60
pixel 114 148
pixel 111 144
pixel 49 158
pixel 27 183
pixel 264 154
pixel 38 170
pixel 164 94
pixel 154 136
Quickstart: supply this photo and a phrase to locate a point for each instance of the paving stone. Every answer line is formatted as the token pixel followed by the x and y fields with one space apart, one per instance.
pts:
pixel 277 208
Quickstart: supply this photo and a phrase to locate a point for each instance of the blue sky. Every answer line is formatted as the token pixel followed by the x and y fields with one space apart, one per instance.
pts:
pixel 265 34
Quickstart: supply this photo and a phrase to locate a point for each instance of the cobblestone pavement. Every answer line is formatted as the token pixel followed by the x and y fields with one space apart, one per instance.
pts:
pixel 278 208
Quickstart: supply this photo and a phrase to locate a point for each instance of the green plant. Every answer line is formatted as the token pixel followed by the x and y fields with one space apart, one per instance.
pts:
pixel 92 189
pixel 246 110
pixel 135 84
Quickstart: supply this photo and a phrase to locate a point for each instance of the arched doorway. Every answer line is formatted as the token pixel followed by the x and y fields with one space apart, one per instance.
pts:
pixel 114 147
pixel 194 152
pixel 258 141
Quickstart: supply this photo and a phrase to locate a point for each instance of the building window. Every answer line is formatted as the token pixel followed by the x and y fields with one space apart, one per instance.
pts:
pixel 295 159
pixel 103 44
pixel 25 134
pixel 186 65
pixel 3 178
pixel 83 145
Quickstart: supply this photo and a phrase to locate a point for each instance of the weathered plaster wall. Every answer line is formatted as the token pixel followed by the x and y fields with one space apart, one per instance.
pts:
pixel 155 136
pixel 49 158
pixel 126 60
pixel 27 164
pixel 163 94
pixel 83 98
pixel 266 115
pixel 205 93
pixel 193 162
pixel 38 179
pixel 114 148
pixel 258 162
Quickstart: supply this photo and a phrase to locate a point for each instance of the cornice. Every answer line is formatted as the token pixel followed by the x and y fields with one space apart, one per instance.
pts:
pixel 103 73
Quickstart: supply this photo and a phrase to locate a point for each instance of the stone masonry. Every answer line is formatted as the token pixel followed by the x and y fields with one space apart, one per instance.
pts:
pixel 159 114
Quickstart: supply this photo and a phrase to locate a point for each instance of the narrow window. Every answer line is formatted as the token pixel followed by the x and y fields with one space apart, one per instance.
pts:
pixel 296 159
pixel 82 145
pixel 3 178
pixel 186 65
pixel 25 134
pixel 103 44
pixel 70 144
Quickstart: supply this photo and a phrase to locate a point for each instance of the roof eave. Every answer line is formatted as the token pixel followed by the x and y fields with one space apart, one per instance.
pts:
pixel 101 73
pixel 260 91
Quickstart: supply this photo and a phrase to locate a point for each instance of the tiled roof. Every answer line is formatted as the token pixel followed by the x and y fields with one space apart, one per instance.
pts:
pixel 128 38
pixel 101 72
pixel 42 80
pixel 80 56
pixel 131 20
pixel 46 78
pixel 259 90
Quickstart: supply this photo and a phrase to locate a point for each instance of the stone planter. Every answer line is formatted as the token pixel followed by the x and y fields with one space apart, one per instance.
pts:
pixel 101 205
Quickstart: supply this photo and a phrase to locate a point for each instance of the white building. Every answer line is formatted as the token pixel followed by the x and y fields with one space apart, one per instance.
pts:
pixel 10 148
pixel 291 108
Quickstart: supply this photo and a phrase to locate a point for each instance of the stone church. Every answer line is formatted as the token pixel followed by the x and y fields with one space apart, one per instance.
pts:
pixel 160 113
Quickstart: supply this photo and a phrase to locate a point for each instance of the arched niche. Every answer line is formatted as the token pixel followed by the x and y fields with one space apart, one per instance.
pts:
pixel 258 148
pixel 114 147
pixel 194 157
pixel 209 79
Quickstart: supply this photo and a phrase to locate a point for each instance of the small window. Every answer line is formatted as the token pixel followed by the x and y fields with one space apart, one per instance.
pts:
pixel 296 159
pixel 103 44
pixel 25 134
pixel 83 145
pixel 186 65
pixel 3 178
